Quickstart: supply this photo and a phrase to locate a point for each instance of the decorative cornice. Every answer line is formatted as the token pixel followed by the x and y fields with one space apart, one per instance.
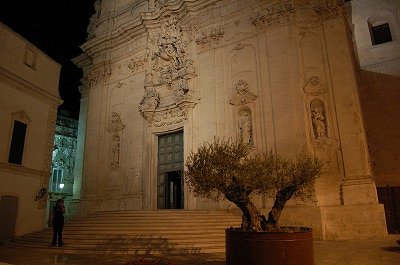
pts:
pixel 28 88
pixel 17 169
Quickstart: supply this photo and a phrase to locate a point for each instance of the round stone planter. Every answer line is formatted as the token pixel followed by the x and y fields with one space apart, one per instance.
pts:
pixel 269 248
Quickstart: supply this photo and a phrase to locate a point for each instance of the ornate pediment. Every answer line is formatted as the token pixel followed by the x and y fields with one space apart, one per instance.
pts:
pixel 242 94
pixel 22 116
pixel 314 87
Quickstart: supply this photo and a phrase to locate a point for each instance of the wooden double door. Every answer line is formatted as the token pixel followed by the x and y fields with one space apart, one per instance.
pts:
pixel 170 191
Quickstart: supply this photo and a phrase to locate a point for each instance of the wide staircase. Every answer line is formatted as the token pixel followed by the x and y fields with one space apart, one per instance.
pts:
pixel 140 232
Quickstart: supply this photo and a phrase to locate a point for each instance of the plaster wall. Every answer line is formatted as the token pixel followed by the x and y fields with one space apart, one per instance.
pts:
pixel 29 94
pixel 379 84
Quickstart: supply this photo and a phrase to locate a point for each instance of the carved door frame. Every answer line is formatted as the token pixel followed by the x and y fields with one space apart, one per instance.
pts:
pixel 150 162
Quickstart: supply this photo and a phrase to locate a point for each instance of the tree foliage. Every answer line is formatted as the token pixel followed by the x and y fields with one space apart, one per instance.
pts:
pixel 226 168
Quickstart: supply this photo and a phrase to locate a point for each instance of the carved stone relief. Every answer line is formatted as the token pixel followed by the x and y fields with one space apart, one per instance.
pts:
pixel 275 15
pixel 114 128
pixel 138 63
pixel 168 87
pixel 150 100
pixel 329 9
pixel 210 37
pixel 245 126
pixel 303 15
pixel 242 94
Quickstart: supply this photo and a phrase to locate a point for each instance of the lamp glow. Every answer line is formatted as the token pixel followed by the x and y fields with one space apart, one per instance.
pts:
pixel 61 185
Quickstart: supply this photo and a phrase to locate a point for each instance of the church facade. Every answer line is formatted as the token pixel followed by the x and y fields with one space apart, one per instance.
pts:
pixel 162 77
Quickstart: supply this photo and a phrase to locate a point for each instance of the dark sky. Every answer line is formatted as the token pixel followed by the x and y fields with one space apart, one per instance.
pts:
pixel 57 27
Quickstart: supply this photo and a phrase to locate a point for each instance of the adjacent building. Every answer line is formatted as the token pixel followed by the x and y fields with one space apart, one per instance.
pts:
pixel 376 37
pixel 29 100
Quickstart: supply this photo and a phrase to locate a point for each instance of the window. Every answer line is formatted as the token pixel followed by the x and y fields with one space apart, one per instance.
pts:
pixel 56 180
pixel 381 34
pixel 17 143
pixel 30 58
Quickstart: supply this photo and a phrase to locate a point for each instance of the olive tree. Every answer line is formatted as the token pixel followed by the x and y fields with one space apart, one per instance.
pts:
pixel 230 169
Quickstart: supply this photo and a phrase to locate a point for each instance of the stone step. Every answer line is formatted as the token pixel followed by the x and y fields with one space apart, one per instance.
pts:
pixel 140 232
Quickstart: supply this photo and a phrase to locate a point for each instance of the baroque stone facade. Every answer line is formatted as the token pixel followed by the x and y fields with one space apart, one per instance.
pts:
pixel 240 69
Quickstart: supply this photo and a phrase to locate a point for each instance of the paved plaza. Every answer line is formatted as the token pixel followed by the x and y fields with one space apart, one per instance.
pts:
pixel 383 251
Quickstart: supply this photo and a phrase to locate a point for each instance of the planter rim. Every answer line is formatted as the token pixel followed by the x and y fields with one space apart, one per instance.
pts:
pixel 303 230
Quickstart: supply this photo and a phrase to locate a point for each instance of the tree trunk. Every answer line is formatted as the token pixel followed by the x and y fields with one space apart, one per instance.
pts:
pixel 281 198
pixel 252 218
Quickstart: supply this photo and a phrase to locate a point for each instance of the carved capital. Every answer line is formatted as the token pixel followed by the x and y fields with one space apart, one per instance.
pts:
pixel 100 74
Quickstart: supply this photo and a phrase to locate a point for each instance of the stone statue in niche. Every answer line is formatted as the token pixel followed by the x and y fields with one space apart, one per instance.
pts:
pixel 115 150
pixel 245 126
pixel 115 127
pixel 318 119
pixel 150 100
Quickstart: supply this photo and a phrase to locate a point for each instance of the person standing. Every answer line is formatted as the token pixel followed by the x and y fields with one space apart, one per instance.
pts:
pixel 58 212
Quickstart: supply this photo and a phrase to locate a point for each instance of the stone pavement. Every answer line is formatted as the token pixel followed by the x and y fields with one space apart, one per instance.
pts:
pixel 383 251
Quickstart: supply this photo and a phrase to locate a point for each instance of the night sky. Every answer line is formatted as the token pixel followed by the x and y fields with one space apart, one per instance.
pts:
pixel 57 27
